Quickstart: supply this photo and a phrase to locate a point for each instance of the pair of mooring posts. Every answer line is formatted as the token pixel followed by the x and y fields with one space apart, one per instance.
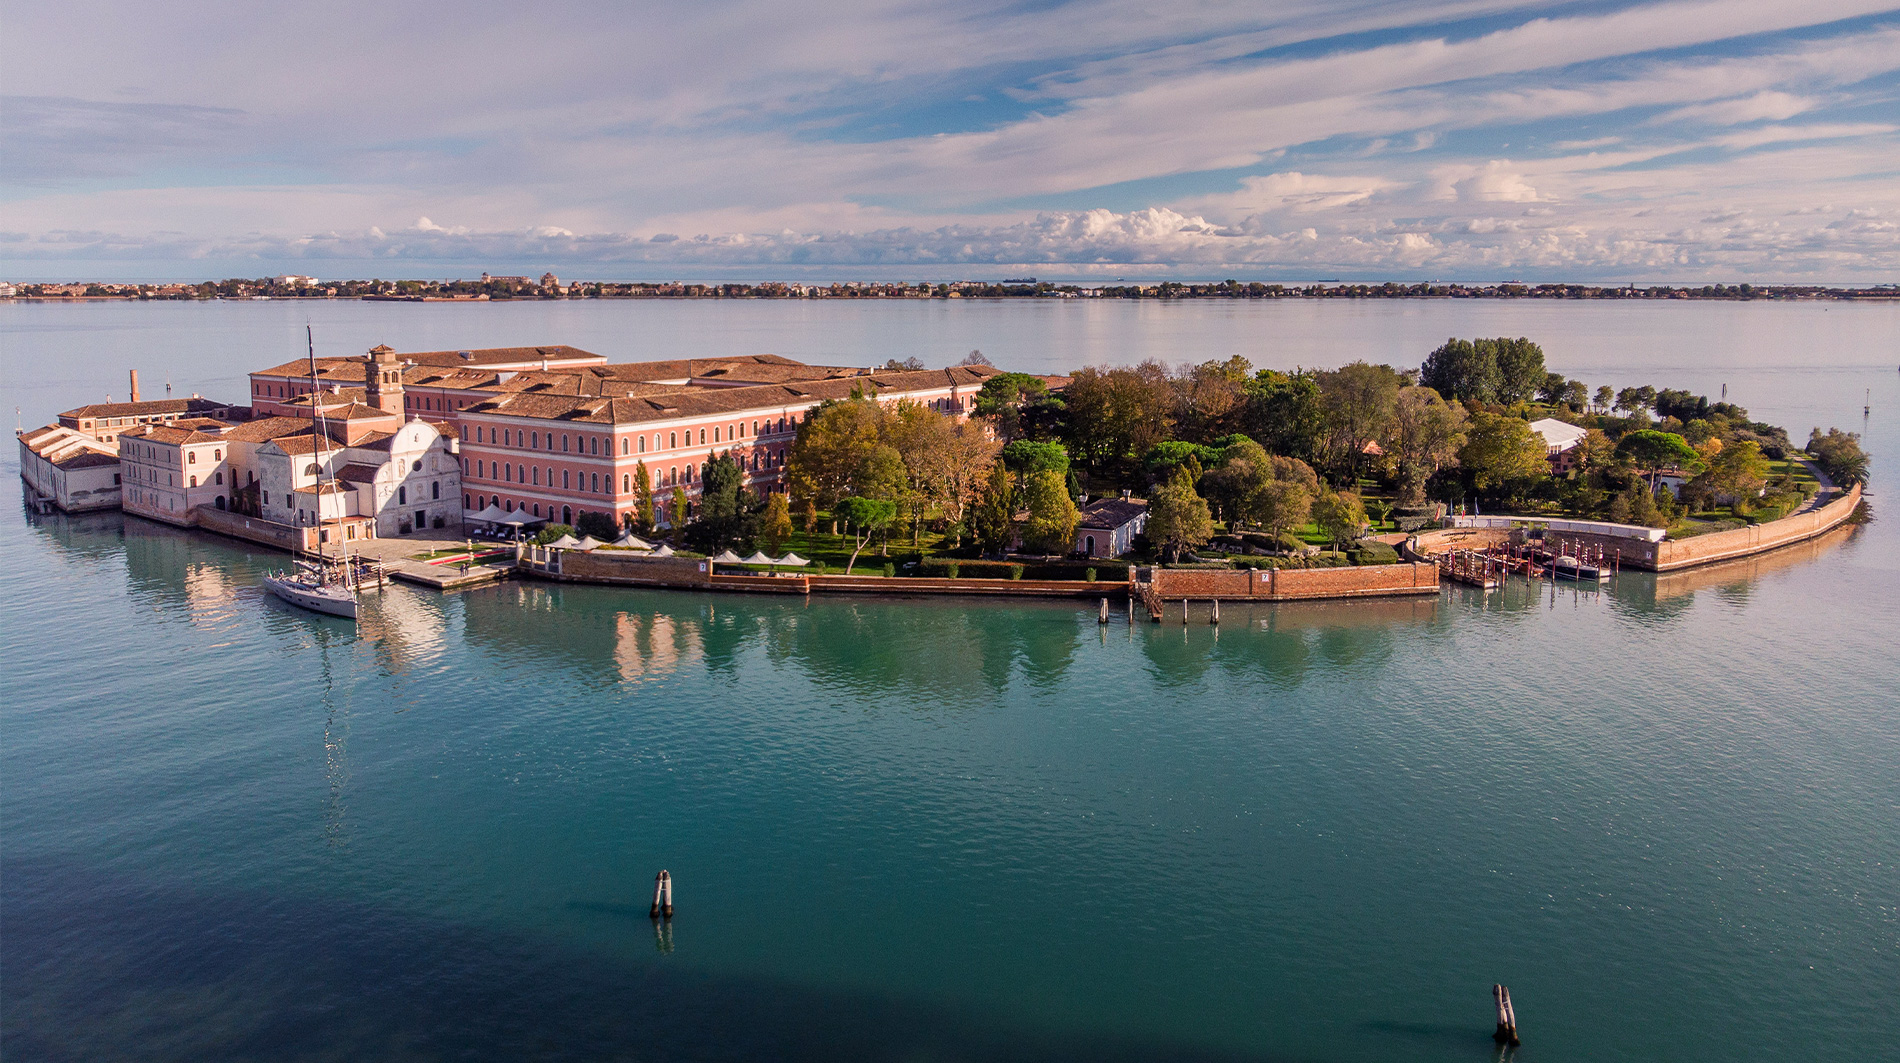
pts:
pixel 1507 1017
pixel 1213 612
pixel 662 896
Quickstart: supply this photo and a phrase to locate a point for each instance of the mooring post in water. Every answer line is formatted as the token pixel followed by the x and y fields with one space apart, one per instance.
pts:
pixel 1103 618
pixel 659 892
pixel 1214 617
pixel 1507 1016
pixel 666 895
pixel 1184 612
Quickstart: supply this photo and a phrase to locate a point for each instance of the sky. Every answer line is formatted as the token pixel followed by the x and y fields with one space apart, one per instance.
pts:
pixel 1689 140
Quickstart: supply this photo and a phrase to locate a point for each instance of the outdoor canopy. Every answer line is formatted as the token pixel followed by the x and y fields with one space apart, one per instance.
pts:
pixel 791 559
pixel 757 558
pixel 633 541
pixel 565 542
pixel 727 557
pixel 588 542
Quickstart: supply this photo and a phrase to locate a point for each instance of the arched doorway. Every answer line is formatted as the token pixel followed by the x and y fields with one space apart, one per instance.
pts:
pixel 1090 541
pixel 567 514
pixel 220 501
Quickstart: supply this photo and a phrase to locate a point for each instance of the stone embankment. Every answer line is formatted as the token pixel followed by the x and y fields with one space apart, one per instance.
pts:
pixel 627 569
pixel 1669 555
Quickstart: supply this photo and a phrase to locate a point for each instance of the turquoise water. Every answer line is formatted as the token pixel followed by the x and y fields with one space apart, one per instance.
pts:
pixel 1665 815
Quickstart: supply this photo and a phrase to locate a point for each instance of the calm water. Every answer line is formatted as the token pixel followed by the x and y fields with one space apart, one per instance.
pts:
pixel 1665 815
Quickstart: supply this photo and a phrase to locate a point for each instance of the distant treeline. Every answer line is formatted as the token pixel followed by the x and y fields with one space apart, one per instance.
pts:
pixel 508 288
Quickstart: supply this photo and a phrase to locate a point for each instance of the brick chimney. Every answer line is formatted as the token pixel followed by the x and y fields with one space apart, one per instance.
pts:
pixel 383 380
pixel 135 385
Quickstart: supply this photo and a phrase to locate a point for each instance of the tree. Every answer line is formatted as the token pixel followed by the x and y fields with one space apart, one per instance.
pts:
pixel 1115 414
pixel 1459 370
pixel 1284 505
pixel 1654 451
pixel 719 488
pixel 643 515
pixel 957 469
pixel 1025 458
pixel 1052 514
pixel 1520 368
pixel 1001 398
pixel 1340 515
pixel 864 517
pixel 1635 400
pixel 1358 399
pixel 776 527
pixel 1839 455
pixel 1285 414
pixel 1177 517
pixel 1208 398
pixel 682 509
pixel 1604 397
pixel 1738 471
pixel 976 358
pixel 1426 434
pixel 1500 449
pixel 832 447
pixel 908 365
pixel 995 513
pixel 1236 485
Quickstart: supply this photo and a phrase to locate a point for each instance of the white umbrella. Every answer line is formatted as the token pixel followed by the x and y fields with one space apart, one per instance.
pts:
pixel 633 541
pixel 565 542
pixel 727 557
pixel 757 558
pixel 588 542
pixel 663 550
pixel 791 559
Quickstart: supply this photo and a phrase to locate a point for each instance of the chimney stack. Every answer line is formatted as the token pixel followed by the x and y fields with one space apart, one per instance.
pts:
pixel 135 385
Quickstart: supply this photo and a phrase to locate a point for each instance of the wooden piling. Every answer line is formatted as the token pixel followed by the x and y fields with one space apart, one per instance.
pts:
pixel 1103 617
pixel 1507 1016
pixel 1184 612
pixel 666 891
pixel 659 891
pixel 1214 616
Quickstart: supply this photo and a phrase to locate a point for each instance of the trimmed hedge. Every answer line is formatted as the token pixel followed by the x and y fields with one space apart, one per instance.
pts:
pixel 962 568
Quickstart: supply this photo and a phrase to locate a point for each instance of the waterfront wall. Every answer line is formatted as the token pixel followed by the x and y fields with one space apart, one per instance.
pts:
pixel 1295 584
pixel 1670 555
pixel 252 529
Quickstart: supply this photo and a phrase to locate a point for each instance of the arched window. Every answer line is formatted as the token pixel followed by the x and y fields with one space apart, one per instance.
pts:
pixel 623 445
pixel 537 475
pixel 643 444
pixel 672 440
pixel 563 443
pixel 508 473
pixel 567 515
pixel 217 455
pixel 535 439
pixel 311 470
pixel 702 437
pixel 220 477
pixel 594 479
pixel 465 504
pixel 626 483
pixel 593 445
pixel 191 457
pixel 537 509
pixel 194 482
pixel 715 434
pixel 563 479
pixel 402 496
pixel 435 489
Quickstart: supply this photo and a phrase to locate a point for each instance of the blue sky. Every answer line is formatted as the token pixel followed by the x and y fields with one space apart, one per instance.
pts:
pixel 1448 139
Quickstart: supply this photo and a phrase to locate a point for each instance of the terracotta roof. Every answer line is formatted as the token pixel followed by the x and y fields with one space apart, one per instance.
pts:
pixel 182 431
pixel 356 472
pixel 148 408
pixel 425 376
pixel 68 448
pixel 501 355
pixel 265 429
pixel 1111 513
pixel 706 402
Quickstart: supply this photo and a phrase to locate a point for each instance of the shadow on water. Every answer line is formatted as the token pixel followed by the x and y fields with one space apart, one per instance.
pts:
pixel 100 968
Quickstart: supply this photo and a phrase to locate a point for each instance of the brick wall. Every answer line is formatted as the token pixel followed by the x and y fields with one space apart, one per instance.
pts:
pixel 1721 546
pixel 619 566
pixel 1297 583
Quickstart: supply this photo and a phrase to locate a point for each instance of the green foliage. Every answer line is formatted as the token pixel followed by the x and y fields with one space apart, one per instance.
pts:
pixel 1089 575
pixel 1015 571
pixel 599 525
pixel 1500 450
pixel 1026 458
pixel 1052 514
pixel 864 517
pixel 1178 518
pixel 719 488
pixel 550 533
pixel 1498 370
pixel 994 513
pixel 1002 398
pixel 1839 455
pixel 890 569
pixel 1425 437
pixel 1284 413
pixel 776 525
pixel 1653 451
pixel 1340 516
pixel 953 570
pixel 644 518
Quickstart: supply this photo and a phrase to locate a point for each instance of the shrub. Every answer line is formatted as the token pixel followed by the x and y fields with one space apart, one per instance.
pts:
pixel 950 570
pixel 1089 575
pixel 889 569
pixel 1015 572
pixel 1373 553
pixel 818 567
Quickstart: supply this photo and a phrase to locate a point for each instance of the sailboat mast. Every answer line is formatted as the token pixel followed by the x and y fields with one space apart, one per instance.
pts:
pixel 321 427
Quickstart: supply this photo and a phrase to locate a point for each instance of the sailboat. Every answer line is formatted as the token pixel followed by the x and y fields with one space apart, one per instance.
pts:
pixel 318 587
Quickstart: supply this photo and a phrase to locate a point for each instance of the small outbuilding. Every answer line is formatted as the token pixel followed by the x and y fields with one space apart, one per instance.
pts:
pixel 1109 526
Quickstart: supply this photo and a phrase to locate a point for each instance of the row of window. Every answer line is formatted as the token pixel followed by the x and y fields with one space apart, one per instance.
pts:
pixel 629 445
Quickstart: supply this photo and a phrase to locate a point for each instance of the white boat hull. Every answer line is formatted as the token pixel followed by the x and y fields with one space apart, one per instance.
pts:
pixel 319 598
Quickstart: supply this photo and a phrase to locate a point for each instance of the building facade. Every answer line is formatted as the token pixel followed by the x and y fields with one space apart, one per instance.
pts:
pixel 70 469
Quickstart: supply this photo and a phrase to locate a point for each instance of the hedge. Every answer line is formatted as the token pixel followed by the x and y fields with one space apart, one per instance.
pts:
pixel 957 568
